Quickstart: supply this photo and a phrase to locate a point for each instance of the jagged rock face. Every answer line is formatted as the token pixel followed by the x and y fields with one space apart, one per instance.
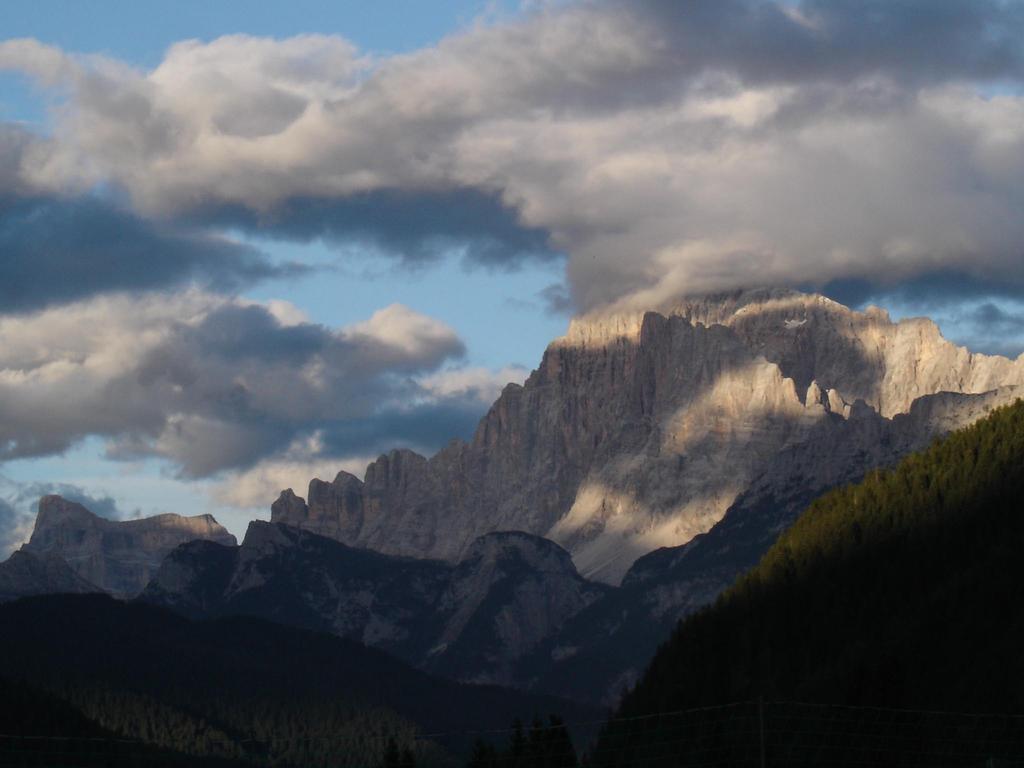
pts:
pixel 471 621
pixel 602 650
pixel 639 430
pixel 24 574
pixel 117 556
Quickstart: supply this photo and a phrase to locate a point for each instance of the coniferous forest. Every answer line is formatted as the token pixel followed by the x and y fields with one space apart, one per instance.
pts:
pixel 234 691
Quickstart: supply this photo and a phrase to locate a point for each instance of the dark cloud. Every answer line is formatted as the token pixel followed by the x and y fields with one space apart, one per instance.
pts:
pixel 425 428
pixel 992 316
pixel 58 250
pixel 11 524
pixel 556 299
pixel 915 41
pixel 413 226
pixel 931 290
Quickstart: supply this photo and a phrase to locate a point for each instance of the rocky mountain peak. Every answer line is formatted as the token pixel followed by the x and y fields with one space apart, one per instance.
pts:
pixel 640 428
pixel 55 510
pixel 118 556
pixel 289 508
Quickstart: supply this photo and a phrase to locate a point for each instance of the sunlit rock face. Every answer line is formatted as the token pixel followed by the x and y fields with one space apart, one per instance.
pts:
pixel 640 429
pixel 118 556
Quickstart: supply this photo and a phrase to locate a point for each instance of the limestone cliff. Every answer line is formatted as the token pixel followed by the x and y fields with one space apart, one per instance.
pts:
pixel 119 556
pixel 639 430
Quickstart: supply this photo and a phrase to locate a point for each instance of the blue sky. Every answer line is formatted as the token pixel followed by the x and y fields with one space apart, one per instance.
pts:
pixel 233 263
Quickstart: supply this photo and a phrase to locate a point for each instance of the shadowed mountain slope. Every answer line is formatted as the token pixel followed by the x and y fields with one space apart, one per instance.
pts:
pixel 900 591
pixel 470 621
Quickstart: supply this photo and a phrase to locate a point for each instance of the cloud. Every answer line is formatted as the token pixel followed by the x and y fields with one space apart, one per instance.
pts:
pixel 60 250
pixel 15 527
pixel 415 226
pixel 212 383
pixel 256 488
pixel 665 147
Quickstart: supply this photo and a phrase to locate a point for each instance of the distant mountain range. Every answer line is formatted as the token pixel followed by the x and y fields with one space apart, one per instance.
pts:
pixel 649 461
pixel 470 621
pixel 641 430
pixel 117 556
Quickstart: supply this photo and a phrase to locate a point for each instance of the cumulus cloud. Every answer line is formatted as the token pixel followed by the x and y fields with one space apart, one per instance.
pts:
pixel 666 147
pixel 212 383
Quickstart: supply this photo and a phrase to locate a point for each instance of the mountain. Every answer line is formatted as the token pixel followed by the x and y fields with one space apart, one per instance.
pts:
pixel 604 649
pixel 25 573
pixel 245 689
pixel 118 556
pixel 901 591
pixel 470 621
pixel 641 430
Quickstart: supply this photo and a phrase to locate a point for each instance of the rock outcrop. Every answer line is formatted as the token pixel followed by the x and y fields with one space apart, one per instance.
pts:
pixel 118 556
pixel 471 621
pixel 640 430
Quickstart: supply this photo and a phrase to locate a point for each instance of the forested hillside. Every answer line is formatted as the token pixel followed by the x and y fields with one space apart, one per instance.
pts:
pixel 245 690
pixel 902 591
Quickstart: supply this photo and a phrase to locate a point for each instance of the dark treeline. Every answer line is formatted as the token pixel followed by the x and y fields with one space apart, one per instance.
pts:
pixel 244 690
pixel 544 745
pixel 39 729
pixel 902 591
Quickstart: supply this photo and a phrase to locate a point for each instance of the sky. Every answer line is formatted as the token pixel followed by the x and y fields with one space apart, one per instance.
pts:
pixel 243 245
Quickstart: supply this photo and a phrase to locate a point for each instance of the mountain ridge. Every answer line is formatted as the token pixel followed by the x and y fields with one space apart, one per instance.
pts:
pixel 638 430
pixel 118 556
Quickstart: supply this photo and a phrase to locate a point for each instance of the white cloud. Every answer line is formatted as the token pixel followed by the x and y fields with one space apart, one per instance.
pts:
pixel 257 487
pixel 480 384
pixel 665 147
pixel 205 381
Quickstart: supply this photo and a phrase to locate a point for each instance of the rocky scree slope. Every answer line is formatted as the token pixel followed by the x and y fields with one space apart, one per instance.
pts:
pixel 640 430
